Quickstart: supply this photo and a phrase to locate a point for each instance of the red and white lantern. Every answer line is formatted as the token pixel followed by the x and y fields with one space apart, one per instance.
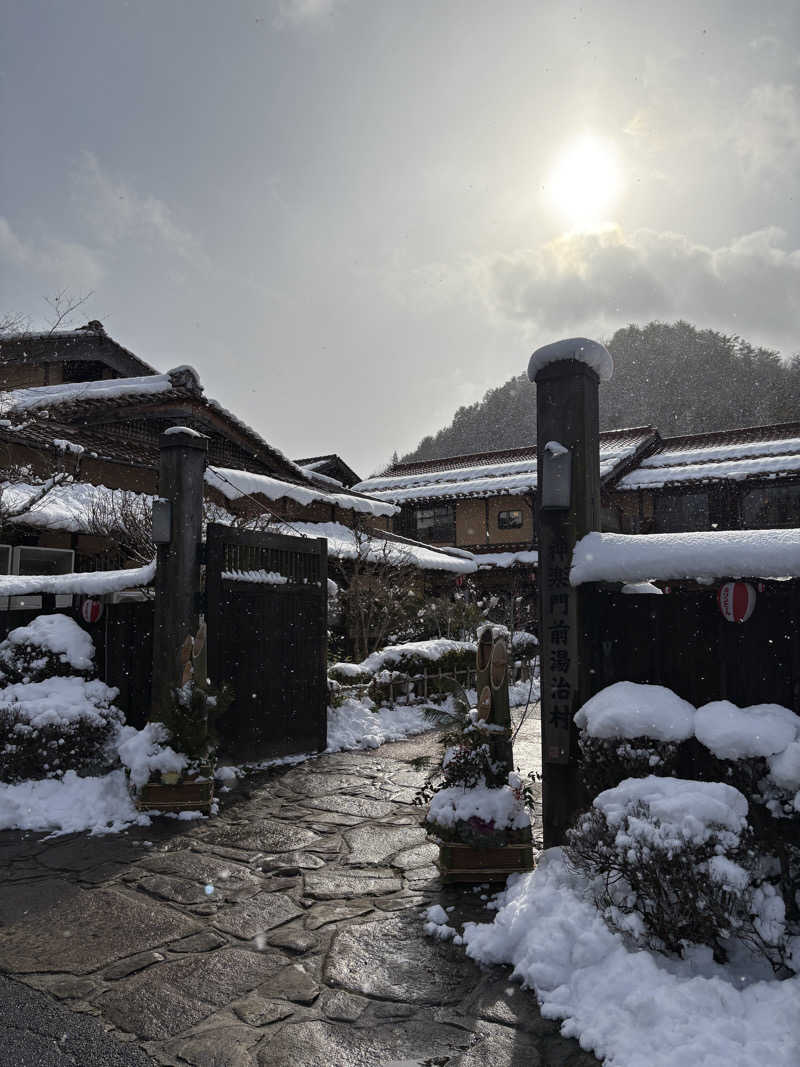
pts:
pixel 91 610
pixel 737 600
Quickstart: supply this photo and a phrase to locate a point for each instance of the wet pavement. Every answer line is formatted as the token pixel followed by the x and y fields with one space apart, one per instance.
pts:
pixel 286 931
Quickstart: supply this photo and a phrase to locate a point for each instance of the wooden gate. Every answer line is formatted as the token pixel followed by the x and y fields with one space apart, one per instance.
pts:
pixel 267 640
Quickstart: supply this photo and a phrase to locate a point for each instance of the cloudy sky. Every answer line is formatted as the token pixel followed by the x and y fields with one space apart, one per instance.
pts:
pixel 353 216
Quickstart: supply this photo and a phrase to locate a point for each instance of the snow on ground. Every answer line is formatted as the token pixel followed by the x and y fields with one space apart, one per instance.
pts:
pixel 630 1007
pixel 356 725
pixel 70 804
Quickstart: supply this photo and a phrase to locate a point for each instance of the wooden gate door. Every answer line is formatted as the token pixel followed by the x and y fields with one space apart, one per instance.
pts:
pixel 267 640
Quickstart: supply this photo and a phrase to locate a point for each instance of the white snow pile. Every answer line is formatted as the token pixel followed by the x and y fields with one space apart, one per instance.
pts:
pixel 361 724
pixel 630 1007
pixel 436 925
pixel 581 349
pixel 784 770
pixel 503 808
pixel 731 732
pixel 610 557
pixel 57 634
pixel 630 709
pixel 681 810
pixel 70 805
pixel 58 702
pixel 145 751
pixel 261 577
pixel 431 651
pixel 89 583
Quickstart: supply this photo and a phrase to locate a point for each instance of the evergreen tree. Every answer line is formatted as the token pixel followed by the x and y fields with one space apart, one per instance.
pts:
pixel 674 377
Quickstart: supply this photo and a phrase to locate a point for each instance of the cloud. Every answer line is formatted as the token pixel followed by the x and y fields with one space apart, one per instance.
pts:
pixel 115 213
pixel 304 11
pixel 767 132
pixel 604 280
pixel 56 263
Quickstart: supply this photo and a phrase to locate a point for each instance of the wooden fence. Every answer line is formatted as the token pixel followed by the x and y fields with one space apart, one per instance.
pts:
pixel 408 689
pixel 682 641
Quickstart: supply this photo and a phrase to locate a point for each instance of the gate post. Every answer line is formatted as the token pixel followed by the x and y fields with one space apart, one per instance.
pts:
pixel 567 376
pixel 178 532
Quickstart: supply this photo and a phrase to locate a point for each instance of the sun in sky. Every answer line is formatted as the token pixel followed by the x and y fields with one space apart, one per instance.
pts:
pixel 585 182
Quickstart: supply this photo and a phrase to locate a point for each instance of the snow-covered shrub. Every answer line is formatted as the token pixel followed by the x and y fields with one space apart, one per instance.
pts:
pixel 415 657
pixel 147 753
pixel 55 725
pixel 349 674
pixel 524 645
pixel 631 730
pixel 49 646
pixel 672 863
pixel 472 797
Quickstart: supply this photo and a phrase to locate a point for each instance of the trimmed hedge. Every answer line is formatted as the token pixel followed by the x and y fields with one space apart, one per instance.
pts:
pixel 39 739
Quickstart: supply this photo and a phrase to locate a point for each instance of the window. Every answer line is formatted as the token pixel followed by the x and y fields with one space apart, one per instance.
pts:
pixel 437 524
pixel 771 505
pixel 509 520
pixel 41 561
pixel 681 511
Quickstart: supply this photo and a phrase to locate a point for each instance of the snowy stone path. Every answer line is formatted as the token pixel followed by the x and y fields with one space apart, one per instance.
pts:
pixel 287 931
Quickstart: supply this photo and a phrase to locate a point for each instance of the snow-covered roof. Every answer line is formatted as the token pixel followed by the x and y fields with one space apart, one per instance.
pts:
pixel 343 544
pixel 505 559
pixel 491 473
pixel 609 557
pixel 234 484
pixel 42 397
pixel 581 349
pixel 66 507
pixel 758 452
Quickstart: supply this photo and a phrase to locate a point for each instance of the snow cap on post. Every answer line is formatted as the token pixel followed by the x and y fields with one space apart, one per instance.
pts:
pixel 592 353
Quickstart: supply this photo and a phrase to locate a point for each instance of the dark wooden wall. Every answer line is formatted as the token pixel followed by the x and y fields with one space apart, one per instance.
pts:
pixel 681 640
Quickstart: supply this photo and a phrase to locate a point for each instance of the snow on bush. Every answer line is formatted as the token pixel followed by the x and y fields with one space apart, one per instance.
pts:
pixel 732 733
pixel 631 730
pixel 630 1007
pixel 672 863
pixel 629 709
pixel 49 645
pixel 145 752
pixel 55 725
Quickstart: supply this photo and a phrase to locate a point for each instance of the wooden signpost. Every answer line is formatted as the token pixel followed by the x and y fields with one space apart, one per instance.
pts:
pixel 567 508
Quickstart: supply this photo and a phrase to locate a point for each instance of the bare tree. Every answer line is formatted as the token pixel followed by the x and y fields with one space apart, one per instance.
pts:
pixel 63 306
pixel 12 323
pixel 23 490
pixel 126 518
pixel 380 587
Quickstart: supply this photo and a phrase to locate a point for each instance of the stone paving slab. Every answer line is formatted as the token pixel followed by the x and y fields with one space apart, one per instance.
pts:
pixel 287 930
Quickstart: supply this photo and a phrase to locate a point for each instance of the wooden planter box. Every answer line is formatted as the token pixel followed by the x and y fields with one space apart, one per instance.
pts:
pixel 183 794
pixel 463 863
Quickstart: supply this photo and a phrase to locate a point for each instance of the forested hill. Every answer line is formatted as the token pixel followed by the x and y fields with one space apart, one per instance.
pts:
pixel 674 377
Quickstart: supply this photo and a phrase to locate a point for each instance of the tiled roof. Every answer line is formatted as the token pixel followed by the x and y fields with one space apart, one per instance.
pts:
pixel 728 455
pixel 495 473
pixel 83 343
